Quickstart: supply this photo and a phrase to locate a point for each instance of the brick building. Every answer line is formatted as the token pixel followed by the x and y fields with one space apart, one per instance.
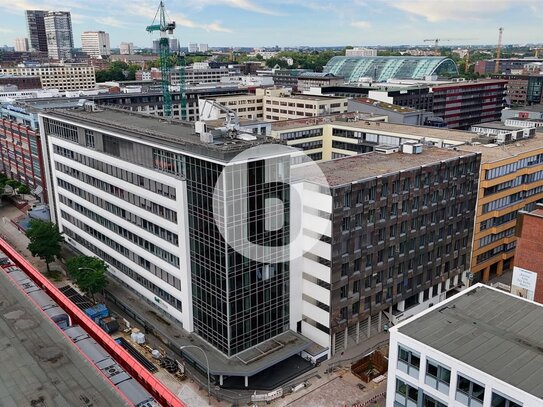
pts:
pixel 528 270
pixel 22 82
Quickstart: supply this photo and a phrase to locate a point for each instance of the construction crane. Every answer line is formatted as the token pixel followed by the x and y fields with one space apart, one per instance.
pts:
pixel 498 51
pixel 166 29
pixel 436 42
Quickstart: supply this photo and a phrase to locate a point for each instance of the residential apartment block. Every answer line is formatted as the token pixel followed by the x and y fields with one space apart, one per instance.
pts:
pixel 398 229
pixel 464 104
pixel 523 90
pixel 60 38
pixel 21 155
pixel 58 76
pixel 478 349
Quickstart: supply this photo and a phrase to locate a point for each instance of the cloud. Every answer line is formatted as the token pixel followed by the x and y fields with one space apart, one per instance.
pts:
pixel 434 11
pixel 6 30
pixel 180 19
pixel 246 5
pixel 361 24
pixel 110 21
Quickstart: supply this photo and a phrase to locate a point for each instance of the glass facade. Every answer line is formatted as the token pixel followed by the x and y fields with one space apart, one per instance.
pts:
pixel 381 69
pixel 238 302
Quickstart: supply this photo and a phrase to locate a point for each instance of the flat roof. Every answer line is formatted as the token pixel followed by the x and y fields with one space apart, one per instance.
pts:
pixel 399 129
pixel 495 332
pixel 40 365
pixel 340 118
pixel 368 165
pixel 174 133
pixel 494 152
pixel 471 83
pixel 533 108
pixel 497 125
pixel 386 106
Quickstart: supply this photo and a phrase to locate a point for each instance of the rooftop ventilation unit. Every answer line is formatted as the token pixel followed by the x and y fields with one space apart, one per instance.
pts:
pixel 412 148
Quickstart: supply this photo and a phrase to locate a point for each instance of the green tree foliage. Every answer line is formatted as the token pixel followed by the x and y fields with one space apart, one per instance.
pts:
pixel 23 189
pixel 45 240
pixel 89 273
pixel 117 71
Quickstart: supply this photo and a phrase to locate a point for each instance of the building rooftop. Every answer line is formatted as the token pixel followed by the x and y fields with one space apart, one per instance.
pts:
pixel 533 108
pixel 351 169
pixel 470 83
pixel 457 136
pixel 382 68
pixel 495 332
pixel 387 106
pixel 494 152
pixel 313 121
pixel 40 365
pixel 173 133
pixel 319 75
pixel 497 125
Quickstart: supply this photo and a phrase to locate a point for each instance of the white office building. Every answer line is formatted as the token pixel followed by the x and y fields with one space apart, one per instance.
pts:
pixel 193 47
pixel 361 52
pixel 60 39
pixel 203 48
pixel 95 44
pixel 126 48
pixel 57 76
pixel 480 348
pixel 21 44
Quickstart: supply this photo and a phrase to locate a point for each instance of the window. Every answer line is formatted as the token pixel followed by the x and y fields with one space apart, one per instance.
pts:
pixel 406 395
pixel 408 362
pixel 344 269
pixel 501 401
pixel 356 286
pixel 428 401
pixel 345 225
pixel 343 291
pixel 89 139
pixel 437 376
pixel 343 313
pixel 469 393
pixel 347 200
pixel 356 307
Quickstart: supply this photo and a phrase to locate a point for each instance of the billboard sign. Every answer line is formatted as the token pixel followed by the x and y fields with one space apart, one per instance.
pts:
pixel 523 283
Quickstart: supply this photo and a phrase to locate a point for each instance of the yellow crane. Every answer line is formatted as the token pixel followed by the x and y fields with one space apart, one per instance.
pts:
pixel 498 51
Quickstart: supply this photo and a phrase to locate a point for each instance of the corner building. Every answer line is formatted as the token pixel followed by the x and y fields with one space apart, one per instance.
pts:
pixel 398 231
pixel 137 192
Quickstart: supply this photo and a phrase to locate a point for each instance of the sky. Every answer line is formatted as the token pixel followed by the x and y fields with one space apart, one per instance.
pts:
pixel 287 23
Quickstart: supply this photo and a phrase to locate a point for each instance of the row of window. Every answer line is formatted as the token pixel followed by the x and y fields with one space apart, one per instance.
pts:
pixel 438 376
pixel 119 265
pixel 61 129
pixel 485 241
pixel 135 258
pixel 511 199
pixel 126 234
pixel 118 192
pixel 128 176
pixel 515 166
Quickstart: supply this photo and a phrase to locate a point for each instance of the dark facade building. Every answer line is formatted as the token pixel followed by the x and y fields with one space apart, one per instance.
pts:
pixel 288 77
pixel 22 82
pixel 505 65
pixel 523 90
pixel 401 229
pixel 464 104
pixel 35 23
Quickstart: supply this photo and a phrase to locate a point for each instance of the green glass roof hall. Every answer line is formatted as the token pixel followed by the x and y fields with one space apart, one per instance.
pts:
pixel 381 69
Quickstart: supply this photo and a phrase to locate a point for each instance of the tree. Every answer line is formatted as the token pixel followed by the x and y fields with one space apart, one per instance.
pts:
pixel 89 273
pixel 23 189
pixel 45 240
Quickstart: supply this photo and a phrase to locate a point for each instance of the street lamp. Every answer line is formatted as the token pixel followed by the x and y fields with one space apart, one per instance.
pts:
pixel 207 363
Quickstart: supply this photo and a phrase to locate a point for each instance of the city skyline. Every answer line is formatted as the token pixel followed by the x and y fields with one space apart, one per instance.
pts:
pixel 273 22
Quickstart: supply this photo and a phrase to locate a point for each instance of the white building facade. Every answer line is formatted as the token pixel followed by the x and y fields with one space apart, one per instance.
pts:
pixel 21 44
pixel 60 39
pixel 482 375
pixel 58 76
pixel 95 44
